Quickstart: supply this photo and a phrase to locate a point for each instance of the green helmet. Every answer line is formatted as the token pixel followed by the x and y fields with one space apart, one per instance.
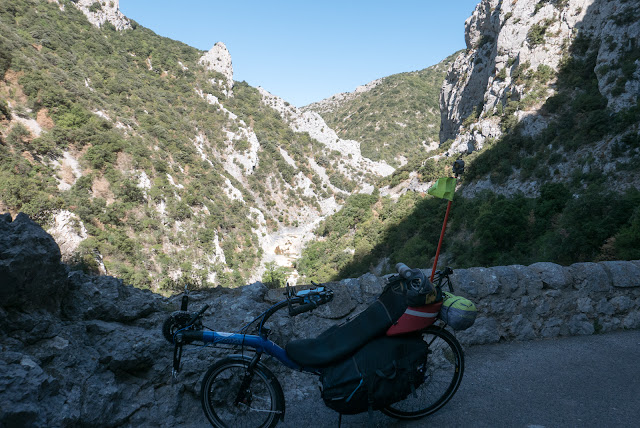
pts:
pixel 458 312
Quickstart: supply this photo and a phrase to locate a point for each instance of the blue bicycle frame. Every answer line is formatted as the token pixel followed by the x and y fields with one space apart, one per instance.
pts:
pixel 258 342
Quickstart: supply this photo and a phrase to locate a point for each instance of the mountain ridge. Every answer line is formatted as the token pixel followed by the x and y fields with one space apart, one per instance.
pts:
pixel 128 159
pixel 394 117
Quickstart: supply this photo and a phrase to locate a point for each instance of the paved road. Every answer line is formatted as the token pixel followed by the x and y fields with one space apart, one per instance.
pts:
pixel 589 381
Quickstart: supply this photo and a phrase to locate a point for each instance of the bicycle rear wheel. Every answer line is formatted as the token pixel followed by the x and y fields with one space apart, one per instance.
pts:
pixel 442 376
pixel 231 397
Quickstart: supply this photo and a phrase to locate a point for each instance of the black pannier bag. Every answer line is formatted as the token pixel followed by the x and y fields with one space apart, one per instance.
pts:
pixel 341 341
pixel 382 372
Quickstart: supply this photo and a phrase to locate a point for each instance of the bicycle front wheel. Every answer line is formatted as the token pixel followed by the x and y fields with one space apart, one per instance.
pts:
pixel 233 397
pixel 442 376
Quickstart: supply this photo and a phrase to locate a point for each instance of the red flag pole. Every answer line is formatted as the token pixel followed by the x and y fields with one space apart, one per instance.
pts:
pixel 444 225
pixel 458 169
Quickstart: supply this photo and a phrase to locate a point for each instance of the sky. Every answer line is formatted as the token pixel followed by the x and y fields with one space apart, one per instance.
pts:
pixel 307 50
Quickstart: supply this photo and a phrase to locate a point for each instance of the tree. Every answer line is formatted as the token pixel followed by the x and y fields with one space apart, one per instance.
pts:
pixel 275 276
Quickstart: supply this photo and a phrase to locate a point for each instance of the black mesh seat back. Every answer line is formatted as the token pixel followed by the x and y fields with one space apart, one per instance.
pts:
pixel 338 342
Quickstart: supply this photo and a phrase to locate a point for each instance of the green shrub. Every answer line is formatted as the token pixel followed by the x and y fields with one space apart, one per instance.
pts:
pixel 5 113
pixel 95 7
pixel 275 276
pixel 18 135
pixel 535 35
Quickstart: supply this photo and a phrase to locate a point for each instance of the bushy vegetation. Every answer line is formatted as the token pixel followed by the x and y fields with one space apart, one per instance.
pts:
pixel 395 117
pixel 130 103
pixel 583 219
pixel 275 276
pixel 580 117
pixel 489 230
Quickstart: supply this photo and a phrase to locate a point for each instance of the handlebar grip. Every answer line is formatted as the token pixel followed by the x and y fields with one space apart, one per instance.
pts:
pixel 403 270
pixel 302 308
pixel 197 315
pixel 189 336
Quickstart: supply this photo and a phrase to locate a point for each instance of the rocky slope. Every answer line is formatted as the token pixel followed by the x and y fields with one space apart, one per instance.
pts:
pixel 101 12
pixel 540 64
pixel 149 143
pixel 79 350
pixel 394 118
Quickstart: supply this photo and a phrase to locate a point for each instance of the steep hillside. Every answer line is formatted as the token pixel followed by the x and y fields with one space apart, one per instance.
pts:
pixel 547 91
pixel 394 118
pixel 544 106
pixel 146 160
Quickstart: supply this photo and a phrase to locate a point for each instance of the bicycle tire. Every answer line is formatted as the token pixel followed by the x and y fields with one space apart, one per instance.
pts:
pixel 262 403
pixel 442 376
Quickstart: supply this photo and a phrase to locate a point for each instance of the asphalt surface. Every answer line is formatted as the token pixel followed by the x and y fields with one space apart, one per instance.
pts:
pixel 588 381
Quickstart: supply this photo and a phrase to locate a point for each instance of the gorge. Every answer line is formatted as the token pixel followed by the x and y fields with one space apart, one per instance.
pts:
pixel 132 165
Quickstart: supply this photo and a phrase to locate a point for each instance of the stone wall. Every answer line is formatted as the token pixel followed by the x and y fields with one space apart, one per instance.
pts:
pixel 548 300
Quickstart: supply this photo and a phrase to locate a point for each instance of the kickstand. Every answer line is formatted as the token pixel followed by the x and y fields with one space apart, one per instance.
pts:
pixel 339 420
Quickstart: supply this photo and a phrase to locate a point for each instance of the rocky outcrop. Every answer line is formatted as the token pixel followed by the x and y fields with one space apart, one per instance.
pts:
pixel 99 12
pixel 31 275
pixel 506 40
pixel 68 232
pixel 219 59
pixel 312 123
pixel 80 350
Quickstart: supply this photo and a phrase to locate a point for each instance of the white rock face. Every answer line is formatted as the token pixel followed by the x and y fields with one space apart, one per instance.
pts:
pixel 68 169
pixel 241 164
pixel 219 59
pixel 68 231
pixel 496 36
pixel 31 124
pixel 99 12
pixel 499 45
pixel 143 181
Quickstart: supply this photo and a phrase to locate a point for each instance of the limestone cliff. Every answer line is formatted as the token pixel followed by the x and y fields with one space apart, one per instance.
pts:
pixel 99 12
pixel 517 52
pixel 219 59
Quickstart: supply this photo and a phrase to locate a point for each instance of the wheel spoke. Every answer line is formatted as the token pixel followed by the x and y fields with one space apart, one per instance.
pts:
pixel 259 405
pixel 442 375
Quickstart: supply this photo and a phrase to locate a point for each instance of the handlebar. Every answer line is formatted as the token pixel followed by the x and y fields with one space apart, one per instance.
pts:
pixel 440 275
pixel 403 270
pixel 189 336
pixel 308 300
pixel 302 308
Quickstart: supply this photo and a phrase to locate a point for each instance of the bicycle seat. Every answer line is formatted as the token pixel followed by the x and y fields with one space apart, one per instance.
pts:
pixel 338 342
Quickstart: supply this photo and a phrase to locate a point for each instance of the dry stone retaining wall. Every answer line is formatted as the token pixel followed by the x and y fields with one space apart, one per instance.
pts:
pixel 542 300
pixel 548 300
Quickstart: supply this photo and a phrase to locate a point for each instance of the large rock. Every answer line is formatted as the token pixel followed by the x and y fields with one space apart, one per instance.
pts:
pixel 219 59
pixel 31 274
pixel 552 275
pixel 105 11
pixel 623 274
pixel 590 277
